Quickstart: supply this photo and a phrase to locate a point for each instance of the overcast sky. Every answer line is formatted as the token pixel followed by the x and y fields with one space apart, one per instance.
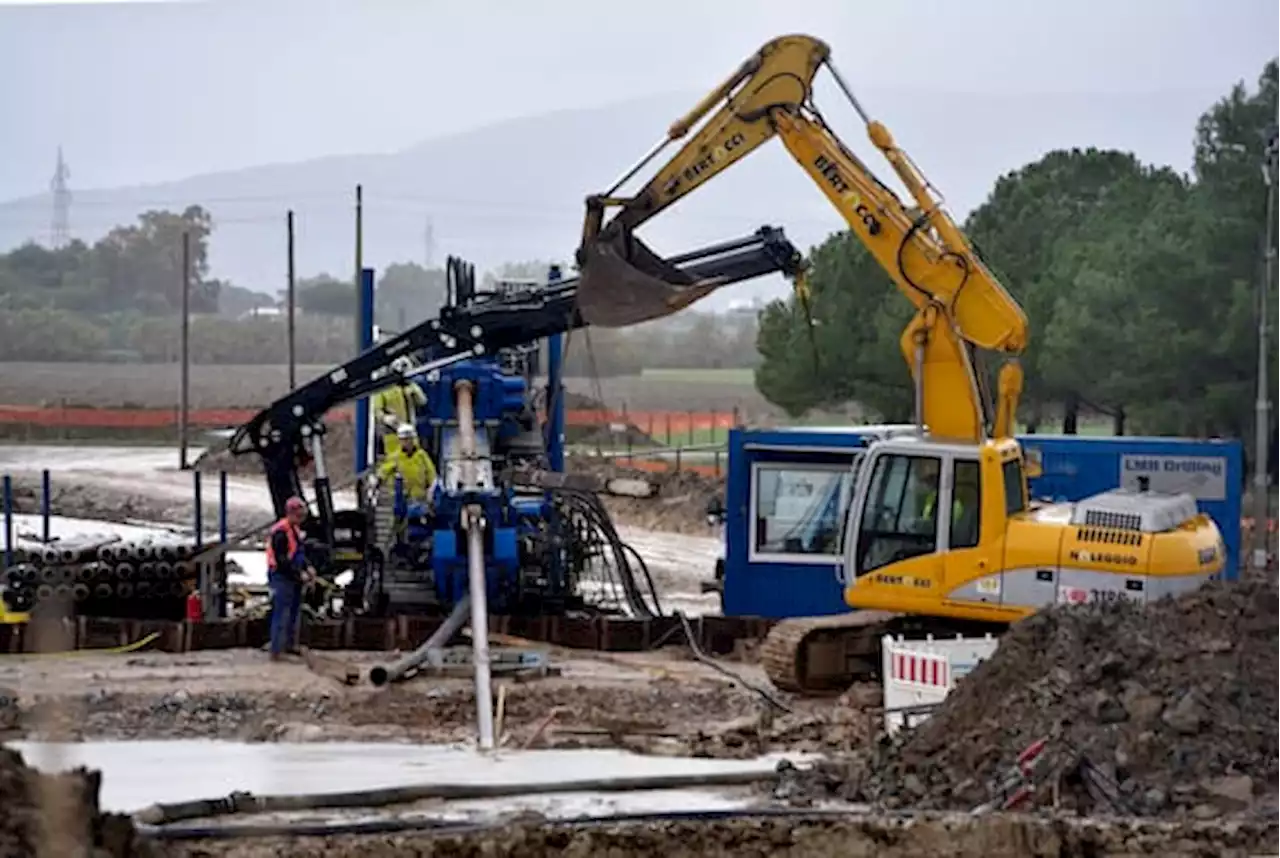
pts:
pixel 146 91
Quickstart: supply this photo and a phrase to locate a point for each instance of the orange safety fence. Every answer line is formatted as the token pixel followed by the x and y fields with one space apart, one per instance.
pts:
pixel 653 422
pixel 130 418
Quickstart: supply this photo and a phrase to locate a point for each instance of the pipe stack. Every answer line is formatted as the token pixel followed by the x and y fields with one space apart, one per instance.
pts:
pixel 139 580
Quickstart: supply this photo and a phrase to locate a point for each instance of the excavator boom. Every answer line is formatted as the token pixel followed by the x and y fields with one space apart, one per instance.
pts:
pixel 960 305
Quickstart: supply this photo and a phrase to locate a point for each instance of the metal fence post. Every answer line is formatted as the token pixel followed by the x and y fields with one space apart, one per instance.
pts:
pixel 44 503
pixel 199 517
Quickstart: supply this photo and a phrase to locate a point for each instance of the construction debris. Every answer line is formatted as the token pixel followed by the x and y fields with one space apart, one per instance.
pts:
pixel 1164 710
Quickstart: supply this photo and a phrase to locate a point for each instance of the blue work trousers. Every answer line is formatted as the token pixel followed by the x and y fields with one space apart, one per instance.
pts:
pixel 286 604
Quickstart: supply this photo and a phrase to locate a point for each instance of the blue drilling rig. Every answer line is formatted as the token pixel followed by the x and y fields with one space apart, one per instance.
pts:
pixel 502 511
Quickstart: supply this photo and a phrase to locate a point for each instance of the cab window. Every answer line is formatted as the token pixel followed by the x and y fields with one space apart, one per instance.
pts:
pixel 966 504
pixel 1015 497
pixel 900 518
pixel 799 510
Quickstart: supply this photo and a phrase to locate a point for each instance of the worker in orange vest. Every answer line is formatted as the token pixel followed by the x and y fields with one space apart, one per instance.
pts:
pixel 287 573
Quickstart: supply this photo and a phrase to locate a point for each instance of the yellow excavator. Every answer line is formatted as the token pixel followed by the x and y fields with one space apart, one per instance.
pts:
pixel 940 535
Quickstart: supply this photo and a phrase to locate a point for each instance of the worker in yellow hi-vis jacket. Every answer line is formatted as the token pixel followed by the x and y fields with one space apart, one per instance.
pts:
pixel 413 465
pixel 396 406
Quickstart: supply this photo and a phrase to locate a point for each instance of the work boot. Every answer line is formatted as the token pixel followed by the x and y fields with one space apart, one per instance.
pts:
pixel 276 656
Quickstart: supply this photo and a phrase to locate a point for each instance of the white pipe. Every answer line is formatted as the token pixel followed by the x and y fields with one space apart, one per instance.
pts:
pixel 474 523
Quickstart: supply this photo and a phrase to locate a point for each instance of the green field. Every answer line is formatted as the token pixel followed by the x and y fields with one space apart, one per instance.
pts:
pixel 732 377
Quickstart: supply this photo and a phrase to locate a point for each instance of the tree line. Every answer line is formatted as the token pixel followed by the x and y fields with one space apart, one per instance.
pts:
pixel 1141 286
pixel 119 299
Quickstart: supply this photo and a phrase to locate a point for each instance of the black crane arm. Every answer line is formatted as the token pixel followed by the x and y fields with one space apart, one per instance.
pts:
pixel 477 325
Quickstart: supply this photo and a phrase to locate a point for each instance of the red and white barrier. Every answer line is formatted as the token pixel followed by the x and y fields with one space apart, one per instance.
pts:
pixel 920 673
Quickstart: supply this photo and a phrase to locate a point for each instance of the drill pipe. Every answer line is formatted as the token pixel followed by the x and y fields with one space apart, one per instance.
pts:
pixel 183 569
pixel 124 571
pixel 80 591
pixel 124 589
pixel 164 571
pixel 102 591
pixel 399 669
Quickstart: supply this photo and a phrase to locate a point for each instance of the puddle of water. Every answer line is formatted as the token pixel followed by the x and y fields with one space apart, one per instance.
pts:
pixel 140 773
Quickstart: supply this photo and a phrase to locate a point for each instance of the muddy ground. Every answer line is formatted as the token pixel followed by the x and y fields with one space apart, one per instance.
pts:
pixel 847 836
pixel 659 703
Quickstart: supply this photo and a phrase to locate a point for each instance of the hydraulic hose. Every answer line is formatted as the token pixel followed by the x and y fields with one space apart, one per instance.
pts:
pixel 243 802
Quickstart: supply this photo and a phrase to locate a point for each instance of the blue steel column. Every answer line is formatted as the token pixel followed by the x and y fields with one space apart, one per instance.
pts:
pixel 555 391
pixel 366 343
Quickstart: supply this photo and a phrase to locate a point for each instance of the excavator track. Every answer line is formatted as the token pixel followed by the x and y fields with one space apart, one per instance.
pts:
pixel 822 656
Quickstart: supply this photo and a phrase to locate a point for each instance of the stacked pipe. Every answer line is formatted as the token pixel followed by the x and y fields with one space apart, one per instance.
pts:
pixel 126 580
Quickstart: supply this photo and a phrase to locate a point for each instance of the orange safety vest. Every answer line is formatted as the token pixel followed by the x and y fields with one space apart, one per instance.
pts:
pixel 291 532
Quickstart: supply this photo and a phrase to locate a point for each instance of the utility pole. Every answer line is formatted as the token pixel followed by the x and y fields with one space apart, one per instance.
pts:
pixel 184 383
pixel 1262 422
pixel 291 298
pixel 60 231
pixel 359 263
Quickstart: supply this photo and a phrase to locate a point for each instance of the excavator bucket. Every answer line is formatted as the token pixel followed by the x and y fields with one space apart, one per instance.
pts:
pixel 623 282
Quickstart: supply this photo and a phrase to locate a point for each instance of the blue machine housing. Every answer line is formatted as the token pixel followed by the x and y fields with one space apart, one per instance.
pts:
pixel 1072 468
pixel 502 414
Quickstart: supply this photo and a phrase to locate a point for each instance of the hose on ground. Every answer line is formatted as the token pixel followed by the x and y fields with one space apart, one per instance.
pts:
pixel 445 827
pixel 243 802
pixel 710 662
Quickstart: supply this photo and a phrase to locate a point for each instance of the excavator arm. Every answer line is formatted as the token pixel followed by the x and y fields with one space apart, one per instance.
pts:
pixel 960 305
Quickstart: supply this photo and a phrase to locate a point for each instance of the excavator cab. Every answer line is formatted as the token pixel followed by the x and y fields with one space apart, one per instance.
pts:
pixel 926 519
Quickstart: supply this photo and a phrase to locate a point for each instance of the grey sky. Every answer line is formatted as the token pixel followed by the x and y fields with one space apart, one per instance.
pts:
pixel 143 92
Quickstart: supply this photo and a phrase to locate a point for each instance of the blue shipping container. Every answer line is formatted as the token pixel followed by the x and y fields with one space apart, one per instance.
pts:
pixel 1072 467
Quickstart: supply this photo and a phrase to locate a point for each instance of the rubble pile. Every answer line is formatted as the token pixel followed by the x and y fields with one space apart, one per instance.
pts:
pixel 58 814
pixel 1175 704
pixel 840 727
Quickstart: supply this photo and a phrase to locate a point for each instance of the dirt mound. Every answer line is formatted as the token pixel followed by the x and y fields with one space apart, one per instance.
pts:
pixel 681 504
pixel 339 449
pixel 1175 704
pixel 58 815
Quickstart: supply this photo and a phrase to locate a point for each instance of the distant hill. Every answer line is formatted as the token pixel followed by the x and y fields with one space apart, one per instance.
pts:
pixel 513 191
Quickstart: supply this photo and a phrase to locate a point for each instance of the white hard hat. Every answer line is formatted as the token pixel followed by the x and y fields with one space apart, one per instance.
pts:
pixel 406 430
pixel 402 364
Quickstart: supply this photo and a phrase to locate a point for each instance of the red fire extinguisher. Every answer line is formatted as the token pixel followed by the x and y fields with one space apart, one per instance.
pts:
pixel 195 610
